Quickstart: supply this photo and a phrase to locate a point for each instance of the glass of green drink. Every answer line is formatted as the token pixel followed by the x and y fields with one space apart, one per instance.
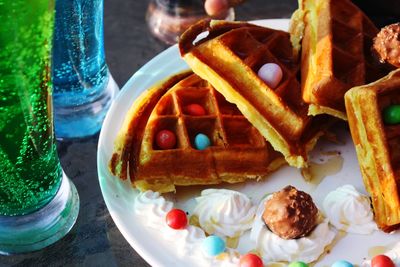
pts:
pixel 38 203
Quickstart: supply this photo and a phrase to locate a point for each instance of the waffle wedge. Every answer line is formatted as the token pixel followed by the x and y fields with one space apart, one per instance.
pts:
pixel 229 58
pixel 335 52
pixel 237 152
pixel 378 145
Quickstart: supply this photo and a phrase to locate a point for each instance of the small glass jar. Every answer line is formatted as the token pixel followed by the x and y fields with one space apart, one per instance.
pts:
pixel 168 19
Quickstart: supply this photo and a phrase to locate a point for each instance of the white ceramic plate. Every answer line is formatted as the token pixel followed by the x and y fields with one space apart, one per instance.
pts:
pixel 120 197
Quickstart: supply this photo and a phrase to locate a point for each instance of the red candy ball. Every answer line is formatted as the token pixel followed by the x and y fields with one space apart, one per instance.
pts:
pixel 250 260
pixel 166 139
pixel 176 219
pixel 195 110
pixel 382 261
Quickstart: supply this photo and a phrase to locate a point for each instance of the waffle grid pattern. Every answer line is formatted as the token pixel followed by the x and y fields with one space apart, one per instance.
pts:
pixel 261 46
pixel 336 54
pixel 230 57
pixel 352 35
pixel 377 146
pixel 223 123
pixel 237 151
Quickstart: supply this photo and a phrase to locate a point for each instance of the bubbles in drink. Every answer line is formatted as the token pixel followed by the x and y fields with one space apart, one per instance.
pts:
pixel 79 67
pixel 29 166
pixel 83 88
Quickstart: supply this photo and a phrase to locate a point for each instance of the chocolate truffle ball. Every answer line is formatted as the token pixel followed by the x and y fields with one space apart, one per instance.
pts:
pixel 290 213
pixel 387 45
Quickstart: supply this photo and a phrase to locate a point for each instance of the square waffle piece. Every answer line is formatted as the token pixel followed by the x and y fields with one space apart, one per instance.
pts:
pixel 230 56
pixel 237 151
pixel 335 52
pixel 378 145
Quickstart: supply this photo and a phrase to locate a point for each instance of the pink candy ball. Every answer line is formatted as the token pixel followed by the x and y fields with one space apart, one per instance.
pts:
pixel 271 74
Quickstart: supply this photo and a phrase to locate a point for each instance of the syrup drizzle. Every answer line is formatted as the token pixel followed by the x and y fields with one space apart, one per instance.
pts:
pixel 372 252
pixel 316 172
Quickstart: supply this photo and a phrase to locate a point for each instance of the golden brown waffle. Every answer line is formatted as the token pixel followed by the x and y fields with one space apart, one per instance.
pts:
pixel 377 146
pixel 230 57
pixel 336 52
pixel 237 152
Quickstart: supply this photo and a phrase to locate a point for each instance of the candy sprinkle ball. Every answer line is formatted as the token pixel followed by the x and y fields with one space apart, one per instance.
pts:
pixel 391 114
pixel 195 110
pixel 250 260
pixel 382 261
pixel 176 219
pixel 298 264
pixel 213 245
pixel 342 263
pixel 201 141
pixel 165 139
pixel 271 74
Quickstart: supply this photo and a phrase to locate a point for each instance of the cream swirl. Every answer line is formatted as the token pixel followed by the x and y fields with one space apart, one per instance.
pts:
pixel 393 254
pixel 152 207
pixel 349 210
pixel 273 248
pixel 223 212
pixel 188 240
pixel 230 258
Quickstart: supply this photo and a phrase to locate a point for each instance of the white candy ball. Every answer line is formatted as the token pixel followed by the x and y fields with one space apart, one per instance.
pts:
pixel 271 74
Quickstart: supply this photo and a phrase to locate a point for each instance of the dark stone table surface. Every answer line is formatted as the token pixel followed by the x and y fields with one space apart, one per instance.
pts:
pixel 95 240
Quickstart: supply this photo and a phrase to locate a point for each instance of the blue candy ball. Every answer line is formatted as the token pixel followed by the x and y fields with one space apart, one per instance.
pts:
pixel 201 141
pixel 213 245
pixel 342 263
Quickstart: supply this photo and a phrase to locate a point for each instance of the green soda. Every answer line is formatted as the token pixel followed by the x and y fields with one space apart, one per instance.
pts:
pixel 30 171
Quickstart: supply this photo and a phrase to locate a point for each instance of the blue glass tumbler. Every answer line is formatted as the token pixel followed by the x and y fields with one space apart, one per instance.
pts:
pixel 83 86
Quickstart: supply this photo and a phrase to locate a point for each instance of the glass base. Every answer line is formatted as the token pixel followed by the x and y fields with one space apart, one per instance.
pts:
pixel 19 234
pixel 84 120
pixel 167 20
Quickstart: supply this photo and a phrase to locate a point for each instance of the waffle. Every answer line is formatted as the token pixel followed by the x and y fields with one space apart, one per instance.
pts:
pixel 229 58
pixel 237 152
pixel 377 146
pixel 336 52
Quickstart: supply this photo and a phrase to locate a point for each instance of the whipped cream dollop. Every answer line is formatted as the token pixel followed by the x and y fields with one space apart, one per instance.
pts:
pixel 152 208
pixel 349 210
pixel 187 241
pixel 273 248
pixel 225 213
pixel 230 258
pixel 393 254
